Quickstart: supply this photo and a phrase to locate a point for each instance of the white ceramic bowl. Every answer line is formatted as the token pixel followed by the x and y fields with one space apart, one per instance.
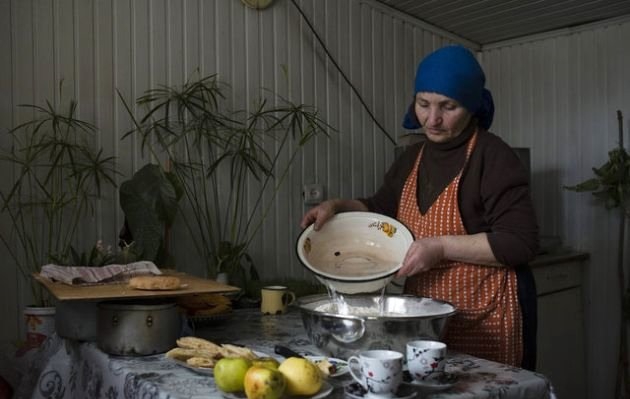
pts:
pixel 355 252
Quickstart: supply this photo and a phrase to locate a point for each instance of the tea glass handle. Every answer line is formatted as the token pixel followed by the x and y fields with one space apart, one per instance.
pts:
pixel 354 365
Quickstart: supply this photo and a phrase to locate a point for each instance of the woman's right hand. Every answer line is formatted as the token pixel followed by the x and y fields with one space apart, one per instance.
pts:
pixel 321 213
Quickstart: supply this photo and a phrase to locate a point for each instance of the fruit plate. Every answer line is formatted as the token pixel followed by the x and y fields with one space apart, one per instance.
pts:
pixel 198 370
pixel 341 366
pixel 323 392
pixel 204 370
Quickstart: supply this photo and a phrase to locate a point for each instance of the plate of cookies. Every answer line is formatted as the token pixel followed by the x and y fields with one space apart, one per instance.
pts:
pixel 200 355
pixel 205 309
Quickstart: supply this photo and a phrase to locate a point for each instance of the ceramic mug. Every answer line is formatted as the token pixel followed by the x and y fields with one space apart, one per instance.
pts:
pixel 378 371
pixel 275 299
pixel 426 359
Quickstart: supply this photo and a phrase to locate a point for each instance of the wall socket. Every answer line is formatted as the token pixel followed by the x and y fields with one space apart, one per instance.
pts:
pixel 313 194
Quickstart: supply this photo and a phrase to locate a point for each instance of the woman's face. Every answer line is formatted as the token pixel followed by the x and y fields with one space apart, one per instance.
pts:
pixel 442 117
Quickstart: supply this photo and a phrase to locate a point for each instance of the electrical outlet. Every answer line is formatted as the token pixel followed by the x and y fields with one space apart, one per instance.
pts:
pixel 313 194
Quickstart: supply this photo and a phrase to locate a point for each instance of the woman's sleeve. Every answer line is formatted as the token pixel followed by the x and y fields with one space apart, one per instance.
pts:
pixel 508 207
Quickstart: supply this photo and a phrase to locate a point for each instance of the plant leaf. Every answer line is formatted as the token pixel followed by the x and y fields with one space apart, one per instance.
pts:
pixel 149 201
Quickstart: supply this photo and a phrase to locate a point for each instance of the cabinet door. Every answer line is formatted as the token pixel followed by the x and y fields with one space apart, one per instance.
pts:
pixel 560 354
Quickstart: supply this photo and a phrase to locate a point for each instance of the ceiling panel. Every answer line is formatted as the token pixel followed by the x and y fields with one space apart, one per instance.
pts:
pixel 490 21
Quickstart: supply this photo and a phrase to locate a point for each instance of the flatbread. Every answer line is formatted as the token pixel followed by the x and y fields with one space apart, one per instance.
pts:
pixel 157 283
pixel 202 362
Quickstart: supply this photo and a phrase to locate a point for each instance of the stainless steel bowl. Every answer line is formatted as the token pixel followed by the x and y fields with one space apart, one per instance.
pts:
pixel 345 332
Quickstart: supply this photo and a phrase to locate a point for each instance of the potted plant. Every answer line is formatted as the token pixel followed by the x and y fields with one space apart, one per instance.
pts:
pixel 214 153
pixel 611 187
pixel 59 174
pixel 233 263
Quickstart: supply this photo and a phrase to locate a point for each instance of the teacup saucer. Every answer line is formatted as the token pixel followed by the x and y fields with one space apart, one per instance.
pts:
pixel 445 381
pixel 354 390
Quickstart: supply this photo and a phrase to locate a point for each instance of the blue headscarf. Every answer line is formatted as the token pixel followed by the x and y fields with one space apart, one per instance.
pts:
pixel 454 72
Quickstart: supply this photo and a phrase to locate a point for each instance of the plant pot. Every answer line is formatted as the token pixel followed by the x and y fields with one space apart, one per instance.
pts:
pixel 222 278
pixel 40 324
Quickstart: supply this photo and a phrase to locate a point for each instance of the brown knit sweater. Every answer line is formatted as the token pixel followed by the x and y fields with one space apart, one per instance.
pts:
pixel 494 195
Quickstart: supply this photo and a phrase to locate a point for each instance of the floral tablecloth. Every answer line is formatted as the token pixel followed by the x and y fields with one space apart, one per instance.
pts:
pixel 68 369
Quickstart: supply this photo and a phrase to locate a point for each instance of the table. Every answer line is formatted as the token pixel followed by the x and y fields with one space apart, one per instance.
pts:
pixel 69 369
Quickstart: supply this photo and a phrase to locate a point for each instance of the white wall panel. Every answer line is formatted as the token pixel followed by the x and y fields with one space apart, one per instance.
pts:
pixel 559 95
pixel 10 300
pixel 100 48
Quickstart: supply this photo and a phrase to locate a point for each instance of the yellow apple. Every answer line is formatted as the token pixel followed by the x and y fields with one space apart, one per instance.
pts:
pixel 266 362
pixel 303 377
pixel 264 383
pixel 229 373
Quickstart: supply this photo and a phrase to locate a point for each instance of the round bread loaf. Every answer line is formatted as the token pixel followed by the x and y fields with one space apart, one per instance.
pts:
pixel 155 282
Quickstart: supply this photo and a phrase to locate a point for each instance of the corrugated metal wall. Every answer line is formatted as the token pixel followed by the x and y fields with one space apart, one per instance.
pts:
pixel 559 94
pixel 98 47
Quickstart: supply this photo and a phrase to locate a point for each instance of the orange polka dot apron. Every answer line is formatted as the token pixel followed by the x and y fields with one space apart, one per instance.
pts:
pixel 488 322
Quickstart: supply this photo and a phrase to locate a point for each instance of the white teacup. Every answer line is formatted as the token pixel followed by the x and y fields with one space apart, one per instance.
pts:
pixel 426 359
pixel 378 371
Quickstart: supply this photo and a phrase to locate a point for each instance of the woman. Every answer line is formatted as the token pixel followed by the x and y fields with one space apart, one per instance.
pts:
pixel 465 196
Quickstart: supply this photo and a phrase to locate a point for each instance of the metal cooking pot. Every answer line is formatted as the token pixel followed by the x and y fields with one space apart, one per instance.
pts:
pixel 76 320
pixel 137 327
pixel 343 334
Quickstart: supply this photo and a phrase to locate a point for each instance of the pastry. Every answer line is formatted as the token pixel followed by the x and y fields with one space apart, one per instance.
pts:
pixel 184 354
pixel 155 282
pixel 198 343
pixel 230 350
pixel 205 305
pixel 199 352
pixel 202 362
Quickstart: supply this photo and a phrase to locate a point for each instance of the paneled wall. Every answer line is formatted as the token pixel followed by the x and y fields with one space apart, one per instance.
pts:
pixel 558 94
pixel 98 47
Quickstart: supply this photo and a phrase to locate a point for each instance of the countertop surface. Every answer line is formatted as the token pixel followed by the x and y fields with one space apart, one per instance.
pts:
pixel 558 256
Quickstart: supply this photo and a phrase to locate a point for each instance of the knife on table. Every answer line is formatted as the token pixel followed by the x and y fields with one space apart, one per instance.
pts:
pixel 286 351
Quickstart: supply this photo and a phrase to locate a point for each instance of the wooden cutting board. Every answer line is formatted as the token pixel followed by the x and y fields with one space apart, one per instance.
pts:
pixel 190 285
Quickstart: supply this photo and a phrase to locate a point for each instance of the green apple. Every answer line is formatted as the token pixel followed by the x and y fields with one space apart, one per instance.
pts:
pixel 266 362
pixel 229 373
pixel 264 383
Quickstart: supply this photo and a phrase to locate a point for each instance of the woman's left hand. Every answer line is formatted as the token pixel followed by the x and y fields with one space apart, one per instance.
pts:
pixel 422 255
pixel 425 253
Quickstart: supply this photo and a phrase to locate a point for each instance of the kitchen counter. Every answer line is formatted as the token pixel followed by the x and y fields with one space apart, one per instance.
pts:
pixel 560 256
pixel 70 369
pixel 561 342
